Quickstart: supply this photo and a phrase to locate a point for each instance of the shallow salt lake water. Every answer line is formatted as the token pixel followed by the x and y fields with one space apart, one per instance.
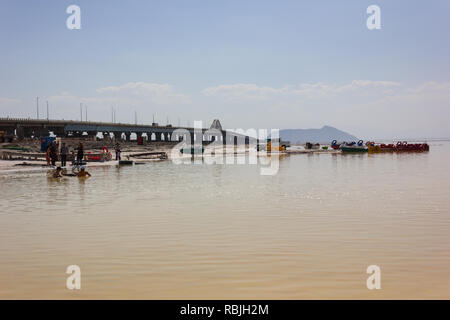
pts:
pixel 166 231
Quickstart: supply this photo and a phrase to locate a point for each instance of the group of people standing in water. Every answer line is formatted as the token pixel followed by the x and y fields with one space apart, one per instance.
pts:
pixel 52 157
pixel 52 153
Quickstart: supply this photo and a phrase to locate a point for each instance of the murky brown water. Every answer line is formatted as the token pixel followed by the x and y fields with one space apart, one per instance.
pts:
pixel 223 231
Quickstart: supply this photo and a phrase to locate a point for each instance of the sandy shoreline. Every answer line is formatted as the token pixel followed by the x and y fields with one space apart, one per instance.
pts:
pixel 12 166
pixel 29 164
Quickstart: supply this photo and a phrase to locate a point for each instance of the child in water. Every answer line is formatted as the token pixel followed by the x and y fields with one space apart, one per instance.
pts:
pixel 82 173
pixel 57 173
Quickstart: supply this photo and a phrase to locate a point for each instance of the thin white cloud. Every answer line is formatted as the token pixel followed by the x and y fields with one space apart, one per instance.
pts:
pixel 315 90
pixel 243 91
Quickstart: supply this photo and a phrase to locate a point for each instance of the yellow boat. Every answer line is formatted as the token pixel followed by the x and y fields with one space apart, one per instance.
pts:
pixel 282 145
pixel 372 147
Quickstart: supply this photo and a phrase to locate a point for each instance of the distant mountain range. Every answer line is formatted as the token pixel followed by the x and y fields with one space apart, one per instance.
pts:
pixel 324 135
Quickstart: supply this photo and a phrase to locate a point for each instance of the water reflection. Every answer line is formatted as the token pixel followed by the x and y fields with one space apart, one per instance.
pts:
pixel 161 230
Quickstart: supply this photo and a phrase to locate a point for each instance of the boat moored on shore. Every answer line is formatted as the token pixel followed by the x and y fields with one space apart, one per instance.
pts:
pixel 354 147
pixel 335 145
pixel 372 147
pixel 412 147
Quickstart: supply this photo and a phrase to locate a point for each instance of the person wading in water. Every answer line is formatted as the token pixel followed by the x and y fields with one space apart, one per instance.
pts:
pixel 53 153
pixel 80 153
pixel 64 152
pixel 82 173
pixel 57 173
pixel 117 149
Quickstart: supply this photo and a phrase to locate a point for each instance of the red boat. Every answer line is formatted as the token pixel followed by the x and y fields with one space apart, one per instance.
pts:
pixel 335 145
pixel 388 147
pixel 412 147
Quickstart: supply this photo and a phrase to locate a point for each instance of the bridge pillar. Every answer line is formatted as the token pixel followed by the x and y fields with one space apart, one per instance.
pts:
pixel 149 136
pixel 127 136
pixel 58 131
pixel 157 136
pixel 92 134
pixel 106 136
pixel 77 134
pixel 116 136
pixel 20 131
pixel 28 132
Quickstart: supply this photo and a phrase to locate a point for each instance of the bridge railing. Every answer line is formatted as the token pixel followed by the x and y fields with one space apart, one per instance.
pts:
pixel 97 123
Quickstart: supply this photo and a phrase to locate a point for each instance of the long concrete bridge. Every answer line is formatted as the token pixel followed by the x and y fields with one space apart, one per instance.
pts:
pixel 27 128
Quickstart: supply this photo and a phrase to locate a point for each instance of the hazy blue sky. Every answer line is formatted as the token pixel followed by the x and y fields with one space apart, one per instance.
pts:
pixel 260 64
